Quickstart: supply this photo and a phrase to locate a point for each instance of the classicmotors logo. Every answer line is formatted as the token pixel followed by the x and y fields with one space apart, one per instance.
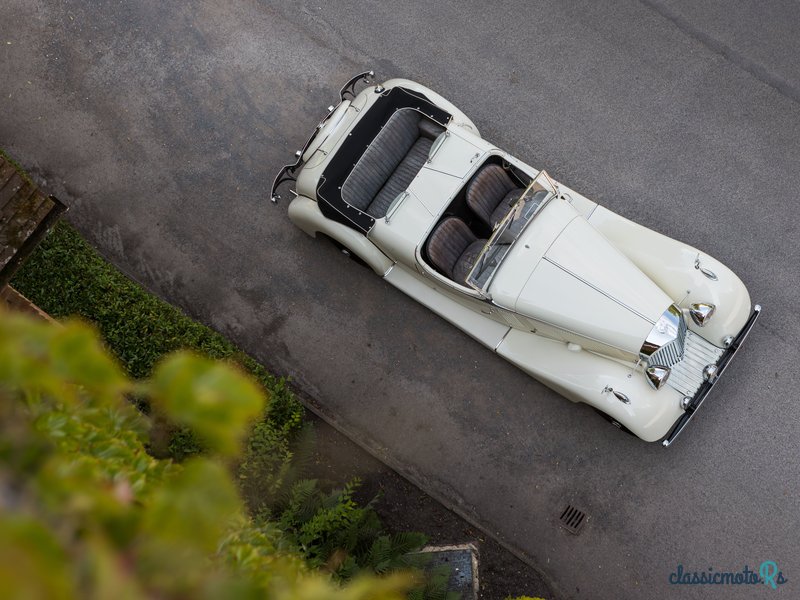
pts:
pixel 767 574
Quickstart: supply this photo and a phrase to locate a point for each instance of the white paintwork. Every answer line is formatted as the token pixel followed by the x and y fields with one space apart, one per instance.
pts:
pixel 305 213
pixel 670 264
pixel 575 296
pixel 460 120
pixel 581 377
pixel 459 313
pixel 558 272
pixel 455 155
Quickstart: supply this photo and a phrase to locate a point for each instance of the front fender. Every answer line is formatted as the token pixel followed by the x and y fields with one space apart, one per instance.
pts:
pixel 671 265
pixel 584 376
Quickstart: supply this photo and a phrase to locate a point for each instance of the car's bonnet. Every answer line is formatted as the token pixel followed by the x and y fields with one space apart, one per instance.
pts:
pixel 579 282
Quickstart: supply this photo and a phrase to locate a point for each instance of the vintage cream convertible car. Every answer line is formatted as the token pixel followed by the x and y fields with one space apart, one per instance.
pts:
pixel 600 309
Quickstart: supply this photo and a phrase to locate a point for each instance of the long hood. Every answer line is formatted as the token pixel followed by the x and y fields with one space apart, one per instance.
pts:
pixel 582 284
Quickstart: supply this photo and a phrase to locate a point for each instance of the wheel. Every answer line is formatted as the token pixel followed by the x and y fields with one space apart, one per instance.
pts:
pixel 345 250
pixel 613 421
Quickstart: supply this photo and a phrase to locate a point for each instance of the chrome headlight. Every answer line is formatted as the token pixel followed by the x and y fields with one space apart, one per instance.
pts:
pixel 657 376
pixel 701 312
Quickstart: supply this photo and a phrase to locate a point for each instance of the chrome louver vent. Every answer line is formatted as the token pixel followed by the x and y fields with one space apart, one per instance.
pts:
pixel 687 375
pixel 671 353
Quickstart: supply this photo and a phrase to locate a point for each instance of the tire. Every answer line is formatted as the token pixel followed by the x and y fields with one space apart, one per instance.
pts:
pixel 346 251
pixel 613 421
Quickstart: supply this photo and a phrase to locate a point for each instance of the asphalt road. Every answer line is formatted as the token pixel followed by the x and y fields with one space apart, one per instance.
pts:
pixel 163 123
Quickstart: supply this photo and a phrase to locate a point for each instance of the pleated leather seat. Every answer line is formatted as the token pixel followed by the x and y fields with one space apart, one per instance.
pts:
pixel 453 249
pixel 390 163
pixel 491 193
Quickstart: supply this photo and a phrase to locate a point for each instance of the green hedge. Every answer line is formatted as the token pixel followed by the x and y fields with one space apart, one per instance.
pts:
pixel 65 276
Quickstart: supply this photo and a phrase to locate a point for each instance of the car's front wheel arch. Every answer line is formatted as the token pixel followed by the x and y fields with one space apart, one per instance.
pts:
pixel 613 421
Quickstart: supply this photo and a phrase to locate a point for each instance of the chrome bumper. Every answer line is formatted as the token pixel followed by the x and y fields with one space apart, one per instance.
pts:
pixel 288 172
pixel 704 390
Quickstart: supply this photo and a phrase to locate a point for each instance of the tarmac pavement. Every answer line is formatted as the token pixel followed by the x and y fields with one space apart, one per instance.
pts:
pixel 162 125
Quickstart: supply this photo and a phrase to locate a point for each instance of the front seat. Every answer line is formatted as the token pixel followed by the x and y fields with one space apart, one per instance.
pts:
pixel 491 193
pixel 453 249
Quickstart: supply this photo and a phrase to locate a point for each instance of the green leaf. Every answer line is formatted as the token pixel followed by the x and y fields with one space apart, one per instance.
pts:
pixel 187 518
pixel 42 358
pixel 78 357
pixel 32 564
pixel 211 398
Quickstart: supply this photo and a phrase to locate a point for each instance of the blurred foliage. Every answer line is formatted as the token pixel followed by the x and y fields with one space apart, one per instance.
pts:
pixel 209 398
pixel 86 512
pixel 66 277
pixel 337 534
pixel 330 528
pixel 203 411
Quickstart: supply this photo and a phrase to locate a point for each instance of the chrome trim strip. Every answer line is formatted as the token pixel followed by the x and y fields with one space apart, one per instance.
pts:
pixel 707 386
pixel 503 339
pixel 594 287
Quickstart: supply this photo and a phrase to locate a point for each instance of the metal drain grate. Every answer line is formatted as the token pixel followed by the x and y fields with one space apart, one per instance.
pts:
pixel 573 519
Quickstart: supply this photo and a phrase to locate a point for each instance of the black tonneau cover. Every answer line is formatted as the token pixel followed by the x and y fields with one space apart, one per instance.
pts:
pixel 329 191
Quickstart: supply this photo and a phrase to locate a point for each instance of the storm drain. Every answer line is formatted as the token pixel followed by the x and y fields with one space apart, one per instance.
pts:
pixel 462 562
pixel 573 519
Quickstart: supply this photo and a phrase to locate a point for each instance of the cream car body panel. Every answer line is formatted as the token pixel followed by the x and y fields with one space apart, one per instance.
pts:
pixel 305 213
pixel 671 265
pixel 579 295
pixel 572 278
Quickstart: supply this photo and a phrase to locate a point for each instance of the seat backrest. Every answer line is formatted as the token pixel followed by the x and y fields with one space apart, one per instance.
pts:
pixel 381 158
pixel 487 189
pixel 447 243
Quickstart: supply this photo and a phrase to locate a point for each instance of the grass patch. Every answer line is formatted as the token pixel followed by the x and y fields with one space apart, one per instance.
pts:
pixel 65 276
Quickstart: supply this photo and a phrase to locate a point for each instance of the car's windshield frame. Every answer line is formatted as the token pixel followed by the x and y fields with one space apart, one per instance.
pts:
pixel 509 229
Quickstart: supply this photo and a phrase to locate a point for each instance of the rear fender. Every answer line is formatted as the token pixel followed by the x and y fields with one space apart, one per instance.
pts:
pixel 305 214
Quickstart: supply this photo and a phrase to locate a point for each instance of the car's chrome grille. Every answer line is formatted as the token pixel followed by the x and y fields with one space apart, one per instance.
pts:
pixel 671 353
pixel 686 375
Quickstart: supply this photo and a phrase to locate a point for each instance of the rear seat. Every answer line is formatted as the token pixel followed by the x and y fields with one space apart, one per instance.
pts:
pixel 390 163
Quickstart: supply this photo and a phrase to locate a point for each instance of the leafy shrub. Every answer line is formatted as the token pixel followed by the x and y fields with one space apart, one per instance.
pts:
pixel 65 276
pixel 88 513
pixel 337 534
